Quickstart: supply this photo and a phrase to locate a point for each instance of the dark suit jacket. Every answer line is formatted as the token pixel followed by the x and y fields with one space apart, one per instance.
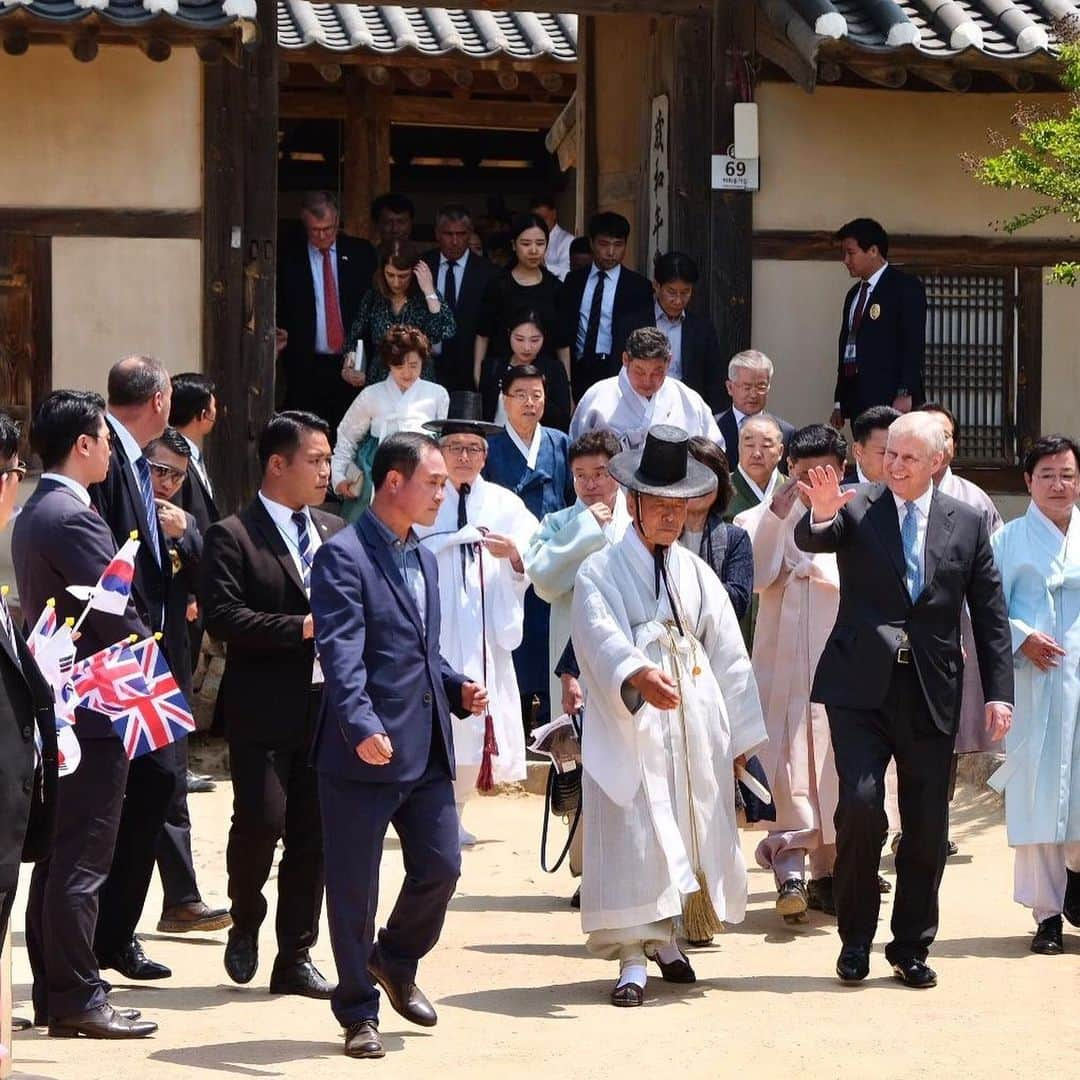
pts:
pixel 857 663
pixel 729 429
pixel 195 498
pixel 57 541
pixel 454 364
pixel 703 369
pixel 384 671
pixel 27 794
pixel 186 555
pixel 254 601
pixel 890 348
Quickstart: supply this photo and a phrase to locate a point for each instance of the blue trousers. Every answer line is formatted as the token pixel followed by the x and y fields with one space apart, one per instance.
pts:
pixel 355 819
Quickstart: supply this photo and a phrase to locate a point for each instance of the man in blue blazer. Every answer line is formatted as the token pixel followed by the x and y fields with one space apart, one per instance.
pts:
pixel 383 747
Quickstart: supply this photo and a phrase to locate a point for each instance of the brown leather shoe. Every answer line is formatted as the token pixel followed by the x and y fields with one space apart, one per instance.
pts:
pixel 362 1040
pixel 104 1022
pixel 407 998
pixel 188 918
pixel 628 996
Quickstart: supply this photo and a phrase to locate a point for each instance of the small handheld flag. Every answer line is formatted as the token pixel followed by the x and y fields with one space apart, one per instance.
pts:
pixel 113 589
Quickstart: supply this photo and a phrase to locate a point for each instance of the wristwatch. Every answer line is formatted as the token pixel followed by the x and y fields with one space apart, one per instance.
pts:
pixel 431 296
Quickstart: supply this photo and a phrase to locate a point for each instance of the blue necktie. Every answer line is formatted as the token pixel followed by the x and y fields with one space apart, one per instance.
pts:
pixel 303 546
pixel 909 535
pixel 146 489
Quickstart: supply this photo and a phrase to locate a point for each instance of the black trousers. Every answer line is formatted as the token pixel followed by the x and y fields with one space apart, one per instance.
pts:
pixel 62 908
pixel 355 819
pixel 151 781
pixel 276 797
pixel 7 901
pixel 174 860
pixel 317 386
pixel 863 742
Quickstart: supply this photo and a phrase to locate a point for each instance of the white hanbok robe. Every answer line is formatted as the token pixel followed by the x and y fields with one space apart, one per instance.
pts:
pixel 564 540
pixel 382 410
pixel 615 405
pixel 495 509
pixel 798 598
pixel 637 804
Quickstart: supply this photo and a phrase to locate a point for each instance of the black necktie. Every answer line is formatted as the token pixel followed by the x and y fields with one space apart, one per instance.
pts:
pixel 592 331
pixel 450 288
pixel 462 521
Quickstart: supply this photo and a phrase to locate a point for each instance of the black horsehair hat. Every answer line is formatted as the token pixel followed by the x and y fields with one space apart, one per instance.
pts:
pixel 663 466
pixel 464 417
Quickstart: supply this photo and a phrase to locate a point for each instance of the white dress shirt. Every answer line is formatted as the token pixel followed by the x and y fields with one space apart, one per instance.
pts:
pixel 199 462
pixel 459 273
pixel 672 329
pixel 73 486
pixel 315 258
pixel 607 305
pixel 131 447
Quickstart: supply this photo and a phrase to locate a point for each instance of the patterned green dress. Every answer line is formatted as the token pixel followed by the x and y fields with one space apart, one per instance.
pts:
pixel 376 316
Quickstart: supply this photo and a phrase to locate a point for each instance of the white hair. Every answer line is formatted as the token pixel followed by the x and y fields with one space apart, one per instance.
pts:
pixel 752 360
pixel 923 425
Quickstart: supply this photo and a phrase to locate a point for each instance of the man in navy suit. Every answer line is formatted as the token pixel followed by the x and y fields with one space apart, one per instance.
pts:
pixel 883 332
pixel 749 381
pixel 383 748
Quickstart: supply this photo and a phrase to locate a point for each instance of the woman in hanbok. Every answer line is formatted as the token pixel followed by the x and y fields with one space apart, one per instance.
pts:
pixel 1039 559
pixel 403 402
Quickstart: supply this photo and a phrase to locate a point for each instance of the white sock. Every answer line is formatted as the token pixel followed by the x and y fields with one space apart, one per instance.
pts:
pixel 632 973
pixel 465 838
pixel 669 953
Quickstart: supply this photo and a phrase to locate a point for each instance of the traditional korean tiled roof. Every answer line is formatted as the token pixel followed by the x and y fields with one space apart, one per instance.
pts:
pixel 196 14
pixel 935 29
pixel 431 31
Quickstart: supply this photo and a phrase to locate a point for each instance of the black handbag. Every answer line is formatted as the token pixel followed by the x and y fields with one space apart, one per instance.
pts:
pixel 562 799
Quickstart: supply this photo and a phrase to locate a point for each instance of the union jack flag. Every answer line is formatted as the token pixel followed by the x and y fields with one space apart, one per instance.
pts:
pixel 159 717
pixel 110 680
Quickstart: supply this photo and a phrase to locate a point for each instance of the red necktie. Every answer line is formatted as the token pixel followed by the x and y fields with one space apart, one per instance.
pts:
pixel 860 308
pixel 335 332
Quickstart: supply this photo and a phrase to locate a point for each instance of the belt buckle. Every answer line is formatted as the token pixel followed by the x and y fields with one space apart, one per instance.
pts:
pixel 903 655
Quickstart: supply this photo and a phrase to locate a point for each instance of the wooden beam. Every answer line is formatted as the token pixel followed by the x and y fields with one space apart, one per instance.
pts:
pixel 585 7
pixel 42 320
pixel 806 246
pixel 891 76
pixel 954 79
pixel 367 149
pixel 316 55
pixel 523 115
pixel 564 124
pixel 16 41
pixel 95 221
pixel 84 47
pixel 155 48
pixel 1030 354
pixel 586 166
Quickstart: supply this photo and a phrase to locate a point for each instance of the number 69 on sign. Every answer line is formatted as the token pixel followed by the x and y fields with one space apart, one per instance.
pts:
pixel 734 174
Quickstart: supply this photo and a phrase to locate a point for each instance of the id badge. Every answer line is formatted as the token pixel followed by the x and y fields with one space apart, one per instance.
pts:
pixel 851 363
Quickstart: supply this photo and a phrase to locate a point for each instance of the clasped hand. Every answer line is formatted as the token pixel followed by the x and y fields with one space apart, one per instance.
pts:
pixel 656 687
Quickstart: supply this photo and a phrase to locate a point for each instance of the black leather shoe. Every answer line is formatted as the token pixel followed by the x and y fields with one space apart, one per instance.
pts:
pixel 104 1022
pixel 362 1040
pixel 302 979
pixel 134 964
pixel 1047 939
pixel 575 900
pixel 676 971
pixel 1071 908
pixel 791 898
pixel 406 998
pixel 20 1023
pixel 883 886
pixel 951 849
pixel 628 996
pixel 819 895
pixel 853 964
pixel 241 955
pixel 915 973
pixel 193 918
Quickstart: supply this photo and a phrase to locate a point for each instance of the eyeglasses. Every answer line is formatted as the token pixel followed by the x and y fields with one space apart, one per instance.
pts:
pixel 166 472
pixel 19 469
pixel 527 395
pixel 464 450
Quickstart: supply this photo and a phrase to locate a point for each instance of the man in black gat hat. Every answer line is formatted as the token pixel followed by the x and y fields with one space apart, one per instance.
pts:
pixel 670 708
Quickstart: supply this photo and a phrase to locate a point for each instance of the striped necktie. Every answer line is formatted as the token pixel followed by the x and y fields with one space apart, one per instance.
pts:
pixel 303 546
pixel 146 489
pixel 909 535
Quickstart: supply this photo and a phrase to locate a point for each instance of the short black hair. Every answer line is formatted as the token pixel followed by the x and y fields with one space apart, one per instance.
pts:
pixel 943 410
pixel 544 199
pixel 10 434
pixel 608 223
pixel 170 439
pixel 867 233
pixel 60 419
pixel 675 266
pixel 1048 446
pixel 401 453
pixel 136 379
pixel 876 418
pixel 283 432
pixel 191 395
pixel 598 441
pixel 580 246
pixel 817 440
pixel 513 373
pixel 395 203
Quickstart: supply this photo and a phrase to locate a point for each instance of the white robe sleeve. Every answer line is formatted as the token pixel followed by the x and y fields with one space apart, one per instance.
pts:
pixel 1019 630
pixel 768 539
pixel 556 552
pixel 354 426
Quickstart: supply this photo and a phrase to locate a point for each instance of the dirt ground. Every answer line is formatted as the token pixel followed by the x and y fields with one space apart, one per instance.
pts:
pixel 517 994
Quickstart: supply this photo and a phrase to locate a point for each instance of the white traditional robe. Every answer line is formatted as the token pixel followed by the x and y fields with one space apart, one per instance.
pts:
pixel 798 598
pixel 614 404
pixel 382 410
pixel 638 862
pixel 565 539
pixel 972 736
pixel 495 509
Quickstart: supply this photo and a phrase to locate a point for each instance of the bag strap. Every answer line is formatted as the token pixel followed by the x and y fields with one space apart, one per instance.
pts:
pixel 544 831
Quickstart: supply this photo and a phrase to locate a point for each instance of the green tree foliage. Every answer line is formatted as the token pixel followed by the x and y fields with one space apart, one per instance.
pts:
pixel 1044 157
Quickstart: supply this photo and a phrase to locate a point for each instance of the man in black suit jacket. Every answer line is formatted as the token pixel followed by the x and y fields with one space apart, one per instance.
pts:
pixel 462 287
pixel 139 392
pixel 883 332
pixel 695 351
pixel 312 323
pixel 588 314
pixel 749 381
pixel 256 587
pixel 60 540
pixel 891 679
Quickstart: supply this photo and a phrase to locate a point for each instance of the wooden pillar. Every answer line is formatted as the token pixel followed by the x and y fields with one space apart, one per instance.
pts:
pixel 585 96
pixel 731 217
pixel 367 149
